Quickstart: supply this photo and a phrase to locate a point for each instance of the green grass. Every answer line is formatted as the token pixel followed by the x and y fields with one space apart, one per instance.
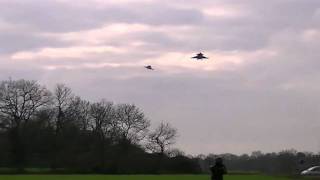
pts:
pixel 134 177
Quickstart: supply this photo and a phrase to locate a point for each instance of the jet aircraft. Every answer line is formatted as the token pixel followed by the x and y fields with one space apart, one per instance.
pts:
pixel 200 56
pixel 149 67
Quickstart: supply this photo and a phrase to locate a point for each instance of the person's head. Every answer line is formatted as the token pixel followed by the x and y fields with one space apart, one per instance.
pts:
pixel 219 161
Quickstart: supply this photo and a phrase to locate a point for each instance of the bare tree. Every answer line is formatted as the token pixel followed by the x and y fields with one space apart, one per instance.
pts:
pixel 132 123
pixel 19 101
pixel 62 99
pixel 102 115
pixel 161 138
pixel 79 110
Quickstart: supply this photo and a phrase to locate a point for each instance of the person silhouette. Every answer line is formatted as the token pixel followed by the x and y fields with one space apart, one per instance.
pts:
pixel 218 170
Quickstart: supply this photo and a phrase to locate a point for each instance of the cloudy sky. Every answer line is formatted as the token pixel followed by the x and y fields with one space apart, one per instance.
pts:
pixel 260 89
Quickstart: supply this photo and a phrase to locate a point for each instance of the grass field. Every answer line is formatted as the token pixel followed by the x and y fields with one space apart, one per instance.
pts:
pixel 136 177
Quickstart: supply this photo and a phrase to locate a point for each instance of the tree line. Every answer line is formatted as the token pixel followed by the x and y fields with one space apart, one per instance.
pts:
pixel 286 162
pixel 63 132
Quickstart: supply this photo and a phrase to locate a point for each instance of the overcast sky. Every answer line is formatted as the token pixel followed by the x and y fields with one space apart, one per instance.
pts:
pixel 260 89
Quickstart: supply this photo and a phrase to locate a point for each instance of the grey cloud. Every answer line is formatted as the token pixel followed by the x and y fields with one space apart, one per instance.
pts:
pixel 11 42
pixel 52 16
pixel 32 18
pixel 296 62
pixel 263 20
pixel 250 32
pixel 243 33
pixel 161 14
pixel 49 16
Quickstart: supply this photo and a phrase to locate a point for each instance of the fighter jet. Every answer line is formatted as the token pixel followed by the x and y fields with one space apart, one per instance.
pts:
pixel 200 56
pixel 149 67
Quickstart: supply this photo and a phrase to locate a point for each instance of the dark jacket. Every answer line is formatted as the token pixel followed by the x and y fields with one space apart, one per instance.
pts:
pixel 217 171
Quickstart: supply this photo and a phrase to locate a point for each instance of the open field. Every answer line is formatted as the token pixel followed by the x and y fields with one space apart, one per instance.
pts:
pixel 134 177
